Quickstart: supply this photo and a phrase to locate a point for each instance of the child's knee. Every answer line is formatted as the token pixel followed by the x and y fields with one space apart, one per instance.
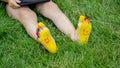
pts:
pixel 47 5
pixel 8 10
pixel 51 4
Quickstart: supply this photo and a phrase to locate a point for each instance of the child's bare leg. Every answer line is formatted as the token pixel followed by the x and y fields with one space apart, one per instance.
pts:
pixel 51 11
pixel 27 17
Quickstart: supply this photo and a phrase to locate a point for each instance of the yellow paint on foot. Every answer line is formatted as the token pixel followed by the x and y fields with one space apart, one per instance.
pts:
pixel 47 40
pixel 82 18
pixel 84 29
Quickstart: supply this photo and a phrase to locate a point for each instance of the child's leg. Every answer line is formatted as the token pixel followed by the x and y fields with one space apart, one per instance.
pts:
pixel 27 17
pixel 51 11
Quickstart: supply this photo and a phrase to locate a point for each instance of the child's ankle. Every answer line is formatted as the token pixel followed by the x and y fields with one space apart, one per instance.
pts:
pixel 75 37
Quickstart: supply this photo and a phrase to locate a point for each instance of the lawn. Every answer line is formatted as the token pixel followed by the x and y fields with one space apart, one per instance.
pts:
pixel 19 50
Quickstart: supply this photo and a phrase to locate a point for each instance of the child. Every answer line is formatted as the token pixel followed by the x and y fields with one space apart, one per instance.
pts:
pixel 29 20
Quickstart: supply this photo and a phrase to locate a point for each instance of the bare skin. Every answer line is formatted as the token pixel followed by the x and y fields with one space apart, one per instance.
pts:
pixel 29 19
pixel 13 3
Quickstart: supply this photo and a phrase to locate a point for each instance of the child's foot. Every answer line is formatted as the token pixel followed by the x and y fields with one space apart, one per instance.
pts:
pixel 84 29
pixel 46 39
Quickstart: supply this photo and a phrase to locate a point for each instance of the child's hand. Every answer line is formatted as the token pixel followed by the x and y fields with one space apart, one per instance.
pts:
pixel 14 3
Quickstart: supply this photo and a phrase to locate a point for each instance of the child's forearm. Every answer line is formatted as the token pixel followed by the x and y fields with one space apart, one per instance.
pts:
pixel 4 0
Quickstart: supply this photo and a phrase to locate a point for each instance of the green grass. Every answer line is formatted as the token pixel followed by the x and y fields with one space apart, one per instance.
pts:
pixel 18 50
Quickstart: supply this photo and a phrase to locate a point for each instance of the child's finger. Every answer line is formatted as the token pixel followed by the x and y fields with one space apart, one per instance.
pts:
pixel 17 1
pixel 13 4
pixel 16 5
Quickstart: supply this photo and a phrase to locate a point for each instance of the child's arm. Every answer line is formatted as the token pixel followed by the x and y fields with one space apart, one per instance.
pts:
pixel 12 3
